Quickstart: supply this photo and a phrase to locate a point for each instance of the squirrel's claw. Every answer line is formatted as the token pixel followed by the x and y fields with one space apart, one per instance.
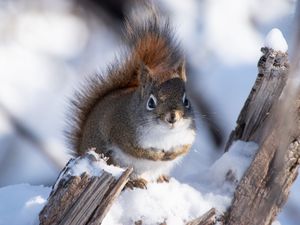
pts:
pixel 137 183
pixel 163 178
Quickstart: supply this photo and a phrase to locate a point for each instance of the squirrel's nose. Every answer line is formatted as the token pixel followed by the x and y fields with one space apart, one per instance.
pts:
pixel 173 116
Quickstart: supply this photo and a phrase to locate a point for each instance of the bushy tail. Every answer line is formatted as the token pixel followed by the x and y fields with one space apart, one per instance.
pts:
pixel 151 39
pixel 151 42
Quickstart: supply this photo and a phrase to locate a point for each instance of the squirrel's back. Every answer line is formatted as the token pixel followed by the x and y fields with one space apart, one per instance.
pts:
pixel 150 42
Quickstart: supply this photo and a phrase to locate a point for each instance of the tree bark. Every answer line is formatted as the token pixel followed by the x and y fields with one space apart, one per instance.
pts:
pixel 272 75
pixel 82 200
pixel 271 118
pixel 208 218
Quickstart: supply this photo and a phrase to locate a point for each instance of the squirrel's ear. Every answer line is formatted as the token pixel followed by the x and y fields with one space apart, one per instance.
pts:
pixel 144 75
pixel 181 70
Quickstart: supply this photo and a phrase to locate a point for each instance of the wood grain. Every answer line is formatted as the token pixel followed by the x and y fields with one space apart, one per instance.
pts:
pixel 84 199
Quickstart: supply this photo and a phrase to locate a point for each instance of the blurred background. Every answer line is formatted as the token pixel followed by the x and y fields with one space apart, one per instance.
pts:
pixel 48 48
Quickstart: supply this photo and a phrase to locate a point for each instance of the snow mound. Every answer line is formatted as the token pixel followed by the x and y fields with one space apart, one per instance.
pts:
pixel 276 40
pixel 174 203
pixel 228 170
pixel 20 204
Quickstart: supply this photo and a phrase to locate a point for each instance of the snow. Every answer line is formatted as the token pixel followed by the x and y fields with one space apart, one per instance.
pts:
pixel 276 40
pixel 94 167
pixel 158 203
pixel 233 164
pixel 20 204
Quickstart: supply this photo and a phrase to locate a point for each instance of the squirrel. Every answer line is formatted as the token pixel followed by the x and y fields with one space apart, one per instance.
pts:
pixel 137 113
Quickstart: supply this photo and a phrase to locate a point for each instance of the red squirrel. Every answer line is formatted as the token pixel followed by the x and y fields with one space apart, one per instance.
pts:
pixel 138 113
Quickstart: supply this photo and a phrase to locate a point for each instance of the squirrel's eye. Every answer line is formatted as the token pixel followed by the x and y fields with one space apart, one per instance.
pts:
pixel 151 103
pixel 185 101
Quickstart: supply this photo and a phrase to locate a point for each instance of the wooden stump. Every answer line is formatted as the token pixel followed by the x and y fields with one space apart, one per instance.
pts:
pixel 270 117
pixel 83 199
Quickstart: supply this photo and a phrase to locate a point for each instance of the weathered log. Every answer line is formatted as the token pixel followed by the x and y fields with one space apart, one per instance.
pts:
pixel 272 75
pixel 271 118
pixel 208 218
pixel 83 199
pixel 265 187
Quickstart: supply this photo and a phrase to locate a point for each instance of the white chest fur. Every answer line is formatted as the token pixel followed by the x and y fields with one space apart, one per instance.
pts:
pixel 160 136
pixel 147 169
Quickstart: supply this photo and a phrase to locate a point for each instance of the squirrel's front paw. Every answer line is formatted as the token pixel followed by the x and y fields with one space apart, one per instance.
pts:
pixel 163 178
pixel 137 183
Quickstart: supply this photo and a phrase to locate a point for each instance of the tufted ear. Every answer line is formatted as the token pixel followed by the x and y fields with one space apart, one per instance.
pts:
pixel 181 70
pixel 144 77
pixel 144 74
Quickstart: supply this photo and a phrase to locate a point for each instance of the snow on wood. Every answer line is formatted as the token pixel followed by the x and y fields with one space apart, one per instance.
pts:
pixel 84 192
pixel 92 163
pixel 276 41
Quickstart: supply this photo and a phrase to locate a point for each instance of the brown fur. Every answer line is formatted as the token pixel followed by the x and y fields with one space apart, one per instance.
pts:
pixel 154 154
pixel 151 43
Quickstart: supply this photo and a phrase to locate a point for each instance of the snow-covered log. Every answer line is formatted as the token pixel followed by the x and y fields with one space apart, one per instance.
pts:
pixel 271 118
pixel 84 191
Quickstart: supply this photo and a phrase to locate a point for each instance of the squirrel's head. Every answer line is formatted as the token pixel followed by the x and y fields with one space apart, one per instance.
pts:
pixel 164 101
